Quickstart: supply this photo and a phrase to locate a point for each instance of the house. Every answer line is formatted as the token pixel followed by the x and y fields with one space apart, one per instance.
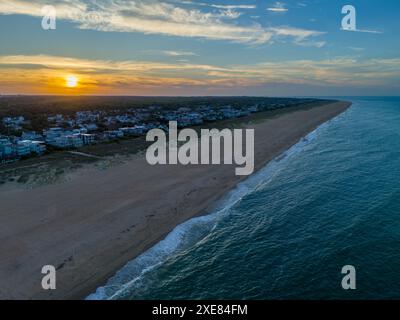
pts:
pixel 87 116
pixel 14 123
pixel 253 109
pixel 67 141
pixel 38 147
pixel 74 140
pixel 114 134
pixel 134 131
pixel 31 135
pixel 87 138
pixel 59 142
pixel 82 129
pixel 90 127
pixel 55 118
pixel 6 148
pixel 52 134
pixel 23 148
pixel 125 119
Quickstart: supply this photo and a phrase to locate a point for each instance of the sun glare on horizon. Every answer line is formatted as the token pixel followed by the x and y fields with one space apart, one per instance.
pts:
pixel 71 81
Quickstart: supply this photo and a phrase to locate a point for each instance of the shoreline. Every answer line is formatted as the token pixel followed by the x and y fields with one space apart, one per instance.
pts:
pixel 98 228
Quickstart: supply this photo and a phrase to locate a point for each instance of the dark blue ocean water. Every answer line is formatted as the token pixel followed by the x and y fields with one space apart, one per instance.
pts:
pixel 285 233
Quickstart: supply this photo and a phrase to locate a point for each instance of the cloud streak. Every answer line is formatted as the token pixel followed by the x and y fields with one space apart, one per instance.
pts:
pixel 278 7
pixel 220 6
pixel 179 53
pixel 363 31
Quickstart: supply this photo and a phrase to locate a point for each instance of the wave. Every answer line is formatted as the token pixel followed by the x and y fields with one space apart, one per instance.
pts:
pixel 191 232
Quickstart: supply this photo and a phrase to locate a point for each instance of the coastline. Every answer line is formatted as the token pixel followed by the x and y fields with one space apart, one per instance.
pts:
pixel 99 221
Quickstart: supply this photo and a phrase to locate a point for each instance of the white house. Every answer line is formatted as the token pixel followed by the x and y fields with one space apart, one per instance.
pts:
pixel 23 148
pixel 37 147
pixel 87 138
pixel 52 134
pixel 31 135
pixel 6 147
pixel 75 140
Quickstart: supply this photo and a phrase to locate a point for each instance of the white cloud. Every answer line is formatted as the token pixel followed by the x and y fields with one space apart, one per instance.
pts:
pixel 300 36
pixel 179 53
pixel 357 49
pixel 156 17
pixel 278 7
pixel 220 6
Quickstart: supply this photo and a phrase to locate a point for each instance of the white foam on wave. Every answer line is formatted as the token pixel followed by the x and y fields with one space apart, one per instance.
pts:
pixel 196 229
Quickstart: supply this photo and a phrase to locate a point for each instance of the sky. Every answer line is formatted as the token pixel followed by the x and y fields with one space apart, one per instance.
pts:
pixel 200 47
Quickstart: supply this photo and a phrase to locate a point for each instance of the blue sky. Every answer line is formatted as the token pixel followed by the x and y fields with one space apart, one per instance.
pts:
pixel 218 47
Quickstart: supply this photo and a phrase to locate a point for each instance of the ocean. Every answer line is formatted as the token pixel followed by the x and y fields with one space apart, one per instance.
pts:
pixel 332 200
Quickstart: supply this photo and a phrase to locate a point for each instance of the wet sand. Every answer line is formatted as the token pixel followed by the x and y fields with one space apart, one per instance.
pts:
pixel 90 226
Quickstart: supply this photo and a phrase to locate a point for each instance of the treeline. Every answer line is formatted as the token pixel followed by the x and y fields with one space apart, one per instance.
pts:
pixel 44 105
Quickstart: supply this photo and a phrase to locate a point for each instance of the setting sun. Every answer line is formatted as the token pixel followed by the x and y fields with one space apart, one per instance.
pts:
pixel 71 81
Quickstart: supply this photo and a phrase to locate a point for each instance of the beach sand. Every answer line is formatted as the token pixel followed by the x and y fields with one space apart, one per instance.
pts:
pixel 90 226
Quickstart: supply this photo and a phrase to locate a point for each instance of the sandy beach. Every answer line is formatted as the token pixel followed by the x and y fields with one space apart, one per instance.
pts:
pixel 91 225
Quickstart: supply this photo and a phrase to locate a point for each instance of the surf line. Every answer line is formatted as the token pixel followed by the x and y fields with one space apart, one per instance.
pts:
pixel 187 148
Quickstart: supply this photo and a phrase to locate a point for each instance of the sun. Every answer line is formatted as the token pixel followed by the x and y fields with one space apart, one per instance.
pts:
pixel 71 81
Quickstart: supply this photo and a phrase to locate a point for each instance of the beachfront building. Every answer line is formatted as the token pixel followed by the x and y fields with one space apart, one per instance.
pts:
pixel 74 140
pixel 52 134
pixel 60 138
pixel 37 147
pixel 23 149
pixel 59 142
pixel 87 139
pixel 6 148
pixel 134 131
pixel 67 141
